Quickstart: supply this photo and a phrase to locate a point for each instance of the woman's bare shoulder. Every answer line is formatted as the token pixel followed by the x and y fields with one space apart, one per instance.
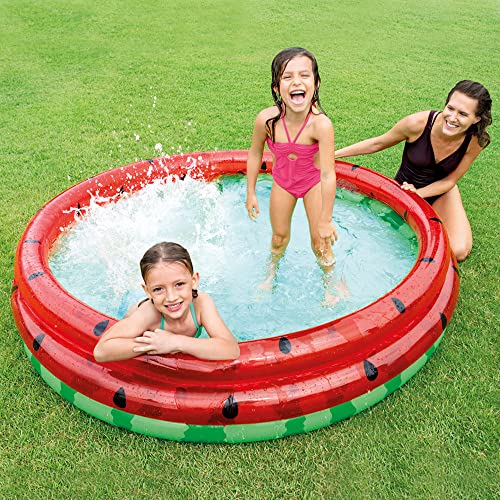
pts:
pixel 416 122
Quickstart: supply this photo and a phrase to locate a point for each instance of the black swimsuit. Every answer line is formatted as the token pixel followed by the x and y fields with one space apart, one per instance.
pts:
pixel 418 164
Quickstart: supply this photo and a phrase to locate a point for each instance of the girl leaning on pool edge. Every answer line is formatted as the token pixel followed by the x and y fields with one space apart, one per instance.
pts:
pixel 171 318
pixel 439 148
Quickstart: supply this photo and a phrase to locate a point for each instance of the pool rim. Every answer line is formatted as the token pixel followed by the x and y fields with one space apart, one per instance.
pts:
pixel 41 306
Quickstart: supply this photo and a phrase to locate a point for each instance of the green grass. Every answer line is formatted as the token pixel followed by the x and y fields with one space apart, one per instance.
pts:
pixel 79 79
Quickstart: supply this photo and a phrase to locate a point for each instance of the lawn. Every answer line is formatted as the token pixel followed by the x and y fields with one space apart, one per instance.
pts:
pixel 86 86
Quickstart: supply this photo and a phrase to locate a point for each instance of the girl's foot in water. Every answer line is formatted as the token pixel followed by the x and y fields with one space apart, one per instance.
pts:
pixel 334 297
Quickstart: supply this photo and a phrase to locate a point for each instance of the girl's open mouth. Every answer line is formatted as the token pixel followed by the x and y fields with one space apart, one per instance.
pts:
pixel 298 96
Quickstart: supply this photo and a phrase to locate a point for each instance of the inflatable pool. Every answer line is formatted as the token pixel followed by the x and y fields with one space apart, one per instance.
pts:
pixel 280 385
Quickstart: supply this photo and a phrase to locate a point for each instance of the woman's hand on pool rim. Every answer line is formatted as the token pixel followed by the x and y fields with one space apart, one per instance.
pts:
pixel 409 187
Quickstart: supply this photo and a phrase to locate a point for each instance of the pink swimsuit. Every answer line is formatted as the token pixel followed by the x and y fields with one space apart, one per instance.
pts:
pixel 296 174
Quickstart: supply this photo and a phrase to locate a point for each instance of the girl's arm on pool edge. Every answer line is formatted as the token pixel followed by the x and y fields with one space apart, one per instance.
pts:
pixel 220 346
pixel 119 341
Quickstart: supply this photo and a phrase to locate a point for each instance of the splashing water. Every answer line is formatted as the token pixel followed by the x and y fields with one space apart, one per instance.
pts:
pixel 97 261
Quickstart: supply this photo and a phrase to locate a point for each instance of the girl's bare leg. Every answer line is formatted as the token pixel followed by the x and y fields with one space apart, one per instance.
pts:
pixel 451 211
pixel 322 250
pixel 281 207
pixel 335 288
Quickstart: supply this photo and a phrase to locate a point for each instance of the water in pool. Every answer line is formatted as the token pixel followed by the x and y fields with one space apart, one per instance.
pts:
pixel 97 261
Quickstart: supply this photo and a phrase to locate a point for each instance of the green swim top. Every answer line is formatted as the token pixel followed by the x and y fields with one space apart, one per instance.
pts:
pixel 199 328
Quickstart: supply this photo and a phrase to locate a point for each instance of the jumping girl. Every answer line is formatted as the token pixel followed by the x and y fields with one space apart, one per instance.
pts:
pixel 300 136
pixel 440 147
pixel 172 317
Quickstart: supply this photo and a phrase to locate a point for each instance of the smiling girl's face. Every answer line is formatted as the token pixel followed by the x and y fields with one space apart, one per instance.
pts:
pixel 170 286
pixel 297 84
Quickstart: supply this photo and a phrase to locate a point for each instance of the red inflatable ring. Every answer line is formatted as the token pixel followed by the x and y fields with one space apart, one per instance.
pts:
pixel 280 386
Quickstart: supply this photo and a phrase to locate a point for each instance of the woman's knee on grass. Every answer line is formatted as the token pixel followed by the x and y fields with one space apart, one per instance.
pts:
pixel 450 210
pixel 461 249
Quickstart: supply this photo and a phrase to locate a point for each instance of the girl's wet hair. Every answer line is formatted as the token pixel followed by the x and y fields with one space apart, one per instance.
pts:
pixel 477 91
pixel 165 252
pixel 277 68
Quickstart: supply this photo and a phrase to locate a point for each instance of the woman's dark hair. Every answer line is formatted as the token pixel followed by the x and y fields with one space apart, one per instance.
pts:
pixel 477 91
pixel 277 68
pixel 165 252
